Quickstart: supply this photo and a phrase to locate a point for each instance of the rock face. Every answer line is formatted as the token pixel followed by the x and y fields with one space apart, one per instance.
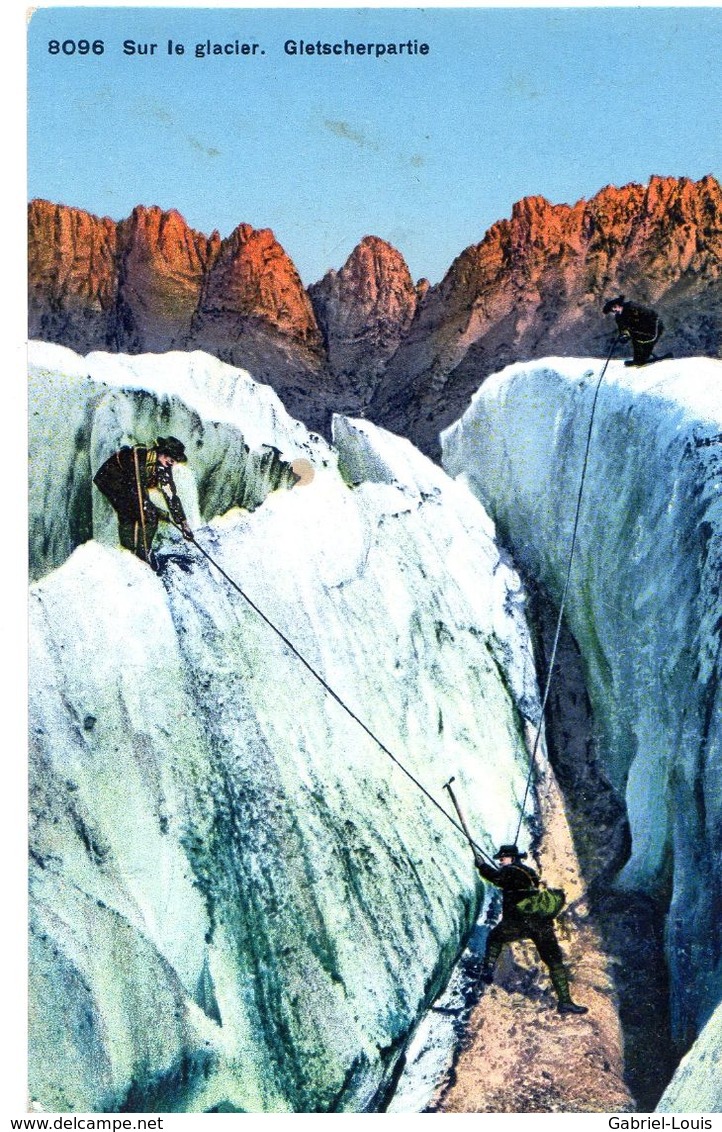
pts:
pixel 72 276
pixel 161 266
pixel 643 608
pixel 238 902
pixel 364 311
pixel 254 311
pixel 536 283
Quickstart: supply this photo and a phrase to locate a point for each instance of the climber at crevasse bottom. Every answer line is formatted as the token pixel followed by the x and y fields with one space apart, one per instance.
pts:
pixel 527 913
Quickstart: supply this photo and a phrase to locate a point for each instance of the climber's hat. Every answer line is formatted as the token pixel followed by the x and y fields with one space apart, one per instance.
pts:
pixel 618 302
pixel 509 851
pixel 171 446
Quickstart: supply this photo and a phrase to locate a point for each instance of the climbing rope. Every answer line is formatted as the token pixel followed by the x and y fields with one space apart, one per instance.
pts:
pixel 334 695
pixel 329 690
pixel 565 591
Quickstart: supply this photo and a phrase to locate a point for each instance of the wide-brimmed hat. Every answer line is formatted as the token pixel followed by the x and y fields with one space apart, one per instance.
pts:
pixel 509 851
pixel 171 446
pixel 618 302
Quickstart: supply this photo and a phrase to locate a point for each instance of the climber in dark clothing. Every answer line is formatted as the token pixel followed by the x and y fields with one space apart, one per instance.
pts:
pixel 641 324
pixel 518 881
pixel 125 479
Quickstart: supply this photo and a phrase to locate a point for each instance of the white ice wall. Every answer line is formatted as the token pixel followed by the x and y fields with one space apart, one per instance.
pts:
pixel 697 1083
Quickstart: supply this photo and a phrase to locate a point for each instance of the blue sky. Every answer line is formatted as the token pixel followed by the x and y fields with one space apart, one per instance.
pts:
pixel 425 152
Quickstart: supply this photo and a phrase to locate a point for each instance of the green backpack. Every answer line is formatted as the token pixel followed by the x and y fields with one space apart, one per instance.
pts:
pixel 544 902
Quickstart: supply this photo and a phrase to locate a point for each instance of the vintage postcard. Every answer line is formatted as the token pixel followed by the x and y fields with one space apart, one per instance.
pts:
pixel 375 535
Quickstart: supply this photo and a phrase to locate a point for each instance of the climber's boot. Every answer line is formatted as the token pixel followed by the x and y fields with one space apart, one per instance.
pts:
pixel 561 986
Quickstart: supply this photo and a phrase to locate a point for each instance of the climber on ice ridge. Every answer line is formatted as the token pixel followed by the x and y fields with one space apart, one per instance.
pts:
pixel 641 325
pixel 126 479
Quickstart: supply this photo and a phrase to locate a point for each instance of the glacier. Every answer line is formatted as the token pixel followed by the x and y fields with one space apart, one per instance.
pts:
pixel 643 606
pixel 238 902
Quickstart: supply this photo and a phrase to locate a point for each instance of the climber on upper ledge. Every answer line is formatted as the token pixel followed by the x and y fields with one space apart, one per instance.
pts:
pixel 640 324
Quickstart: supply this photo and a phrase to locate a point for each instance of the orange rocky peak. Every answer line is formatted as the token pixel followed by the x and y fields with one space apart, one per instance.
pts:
pixel 254 277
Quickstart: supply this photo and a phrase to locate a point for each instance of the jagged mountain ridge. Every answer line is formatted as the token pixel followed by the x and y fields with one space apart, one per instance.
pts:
pixel 152 283
pixel 534 287
pixel 365 311
pixel 365 339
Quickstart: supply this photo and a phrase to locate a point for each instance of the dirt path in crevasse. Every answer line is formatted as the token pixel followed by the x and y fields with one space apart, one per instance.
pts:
pixel 520 1055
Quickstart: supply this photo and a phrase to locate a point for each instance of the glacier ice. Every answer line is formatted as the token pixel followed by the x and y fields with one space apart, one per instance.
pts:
pixel 644 603
pixel 84 409
pixel 238 902
pixel 697 1083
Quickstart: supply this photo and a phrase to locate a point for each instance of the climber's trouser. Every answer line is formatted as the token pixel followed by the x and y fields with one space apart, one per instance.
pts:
pixel 561 986
pixel 493 950
pixel 133 536
pixel 560 982
pixel 540 932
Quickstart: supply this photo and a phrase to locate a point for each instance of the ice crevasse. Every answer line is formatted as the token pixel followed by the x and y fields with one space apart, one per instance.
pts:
pixel 643 604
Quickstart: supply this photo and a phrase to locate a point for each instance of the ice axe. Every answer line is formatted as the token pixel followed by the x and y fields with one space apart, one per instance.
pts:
pixel 474 847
